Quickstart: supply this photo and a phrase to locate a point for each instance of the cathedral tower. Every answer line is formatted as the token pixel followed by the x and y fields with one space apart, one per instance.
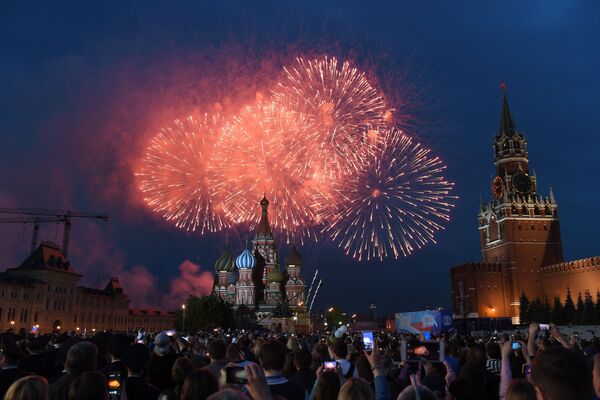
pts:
pixel 294 286
pixel 519 227
pixel 264 249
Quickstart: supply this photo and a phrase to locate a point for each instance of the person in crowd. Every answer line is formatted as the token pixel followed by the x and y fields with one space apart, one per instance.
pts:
pixel 90 385
pixel 81 357
pixel 199 384
pixel 9 356
pixel 434 378
pixel 320 354
pixel 521 389
pixel 36 362
pixel 181 369
pixel 304 376
pixel 135 357
pixel 161 362
pixel 272 358
pixel 493 363
pixel 327 386
pixel 31 387
pixel 410 393
pixel 115 345
pixel 217 352
pixel 559 373
pixel 339 352
pixel 596 375
pixel 289 368
pixel 245 345
pixel 356 389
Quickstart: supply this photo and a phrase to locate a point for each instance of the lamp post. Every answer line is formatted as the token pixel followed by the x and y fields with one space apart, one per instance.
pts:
pixel 183 309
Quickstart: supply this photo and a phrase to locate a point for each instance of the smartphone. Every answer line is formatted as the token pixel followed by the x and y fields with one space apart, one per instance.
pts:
pixel 329 365
pixel 526 369
pixel 427 335
pixel 236 375
pixel 544 327
pixel 170 332
pixel 515 345
pixel 367 338
pixel 416 351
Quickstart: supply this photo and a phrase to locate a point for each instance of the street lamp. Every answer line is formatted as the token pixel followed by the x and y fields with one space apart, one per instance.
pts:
pixel 183 309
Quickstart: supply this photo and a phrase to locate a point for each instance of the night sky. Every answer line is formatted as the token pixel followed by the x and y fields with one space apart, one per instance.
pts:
pixel 84 85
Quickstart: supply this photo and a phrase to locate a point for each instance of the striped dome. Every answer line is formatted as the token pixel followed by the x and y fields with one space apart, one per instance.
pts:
pixel 245 260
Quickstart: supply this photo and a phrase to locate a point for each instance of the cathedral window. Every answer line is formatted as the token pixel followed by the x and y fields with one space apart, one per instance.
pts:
pixel 537 211
pixel 524 210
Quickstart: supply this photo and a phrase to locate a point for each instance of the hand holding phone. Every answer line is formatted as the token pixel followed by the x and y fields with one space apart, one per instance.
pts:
pixel 236 375
pixel 367 338
pixel 515 345
pixel 329 365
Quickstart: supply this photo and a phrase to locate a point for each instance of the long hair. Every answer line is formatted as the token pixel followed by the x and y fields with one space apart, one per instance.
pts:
pixel 328 386
pixel 356 389
pixel 28 388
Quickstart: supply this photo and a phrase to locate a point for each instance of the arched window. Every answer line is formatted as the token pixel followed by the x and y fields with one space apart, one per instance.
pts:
pixel 547 211
pixel 536 211
pixel 513 210
pixel 524 210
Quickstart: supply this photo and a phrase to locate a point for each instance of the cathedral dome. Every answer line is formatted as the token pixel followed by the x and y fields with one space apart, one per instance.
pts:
pixel 224 263
pixel 293 257
pixel 245 260
pixel 275 275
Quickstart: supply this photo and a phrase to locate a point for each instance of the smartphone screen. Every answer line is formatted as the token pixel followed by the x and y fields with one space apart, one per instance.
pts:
pixel 329 365
pixel 515 346
pixel 544 327
pixel 236 375
pixel 367 338
pixel 526 369
pixel 427 335
pixel 416 351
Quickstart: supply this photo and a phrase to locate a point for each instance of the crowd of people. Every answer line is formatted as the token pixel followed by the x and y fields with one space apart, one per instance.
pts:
pixel 265 365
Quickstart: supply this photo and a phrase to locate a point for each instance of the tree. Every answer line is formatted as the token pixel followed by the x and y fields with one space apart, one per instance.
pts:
pixel 579 311
pixel 587 316
pixel 568 309
pixel 524 315
pixel 207 312
pixel 557 312
pixel 334 318
pixel 545 311
pixel 535 310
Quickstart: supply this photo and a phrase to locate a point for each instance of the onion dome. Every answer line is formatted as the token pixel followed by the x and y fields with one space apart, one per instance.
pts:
pixel 293 257
pixel 224 263
pixel 245 260
pixel 275 275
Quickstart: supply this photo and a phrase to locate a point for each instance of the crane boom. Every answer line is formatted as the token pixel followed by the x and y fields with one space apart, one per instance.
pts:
pixel 41 215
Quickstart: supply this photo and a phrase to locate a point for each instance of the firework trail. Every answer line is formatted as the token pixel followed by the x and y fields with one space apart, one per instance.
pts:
pixel 342 109
pixel 394 205
pixel 265 151
pixel 174 176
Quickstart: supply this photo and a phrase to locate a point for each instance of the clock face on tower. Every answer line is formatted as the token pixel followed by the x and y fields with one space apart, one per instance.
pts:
pixel 521 182
pixel 497 187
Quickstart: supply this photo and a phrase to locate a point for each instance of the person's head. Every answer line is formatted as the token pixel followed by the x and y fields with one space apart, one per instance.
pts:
pixel 90 385
pixel 328 386
pixel 492 350
pixel 115 344
pixel 82 357
pixel 410 393
pixel 596 374
pixel 272 355
pixel 561 374
pixel 363 367
pixel 340 349
pixel 232 354
pixel 29 388
pixel 216 350
pixel 356 389
pixel 181 368
pixel 135 357
pixel 162 344
pixel 520 389
pixel 292 344
pixel 302 359
pixel 244 341
pixel 320 352
pixel 198 385
pixel 476 355
pixel 227 394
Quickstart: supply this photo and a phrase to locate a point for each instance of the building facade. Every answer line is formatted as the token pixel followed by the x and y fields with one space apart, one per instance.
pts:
pixel 520 238
pixel 254 280
pixel 44 292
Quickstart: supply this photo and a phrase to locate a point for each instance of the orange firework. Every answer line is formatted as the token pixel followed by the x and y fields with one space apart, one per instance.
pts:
pixel 175 175
pixel 394 205
pixel 341 107
pixel 264 151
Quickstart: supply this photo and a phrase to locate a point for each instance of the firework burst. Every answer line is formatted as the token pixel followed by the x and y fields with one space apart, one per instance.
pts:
pixel 175 173
pixel 341 108
pixel 265 151
pixel 393 206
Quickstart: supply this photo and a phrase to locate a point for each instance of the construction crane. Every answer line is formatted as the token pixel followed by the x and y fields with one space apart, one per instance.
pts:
pixel 45 215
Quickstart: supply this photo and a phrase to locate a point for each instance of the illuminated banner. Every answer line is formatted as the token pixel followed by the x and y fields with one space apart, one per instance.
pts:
pixel 432 321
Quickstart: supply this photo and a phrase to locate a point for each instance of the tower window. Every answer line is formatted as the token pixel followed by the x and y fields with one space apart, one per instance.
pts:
pixel 524 210
pixel 537 211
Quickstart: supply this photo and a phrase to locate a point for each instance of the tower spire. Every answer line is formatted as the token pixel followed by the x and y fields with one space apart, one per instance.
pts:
pixel 507 123
pixel 263 225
